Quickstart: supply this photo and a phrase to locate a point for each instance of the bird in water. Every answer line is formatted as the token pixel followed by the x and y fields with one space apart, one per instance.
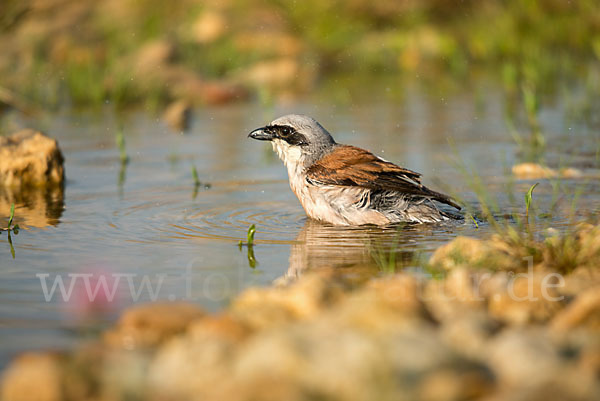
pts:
pixel 346 185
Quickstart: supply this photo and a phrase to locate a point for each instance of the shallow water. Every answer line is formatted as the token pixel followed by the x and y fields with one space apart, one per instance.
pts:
pixel 146 221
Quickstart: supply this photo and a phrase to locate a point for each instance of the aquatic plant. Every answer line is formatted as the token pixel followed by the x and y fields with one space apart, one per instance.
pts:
pixel 249 244
pixel 121 178
pixel 251 232
pixel 120 139
pixel 532 144
pixel 249 237
pixel 472 218
pixel 124 160
pixel 197 182
pixel 385 259
pixel 11 228
pixel 12 215
pixel 528 199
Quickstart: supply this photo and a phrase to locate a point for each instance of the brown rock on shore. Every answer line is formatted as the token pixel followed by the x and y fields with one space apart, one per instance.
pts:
pixel 530 171
pixel 470 252
pixel 30 158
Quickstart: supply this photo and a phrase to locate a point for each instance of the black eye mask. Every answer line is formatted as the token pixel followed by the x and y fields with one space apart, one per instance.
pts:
pixel 288 134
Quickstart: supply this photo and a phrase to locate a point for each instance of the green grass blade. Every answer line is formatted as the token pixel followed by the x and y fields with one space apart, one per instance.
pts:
pixel 528 198
pixel 195 176
pixel 12 215
pixel 251 231
pixel 473 220
pixel 120 138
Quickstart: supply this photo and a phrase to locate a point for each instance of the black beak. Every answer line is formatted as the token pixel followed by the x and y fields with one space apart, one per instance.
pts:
pixel 262 134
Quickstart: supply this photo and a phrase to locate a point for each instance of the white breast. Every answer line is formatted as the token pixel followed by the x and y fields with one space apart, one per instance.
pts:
pixel 294 160
pixel 328 203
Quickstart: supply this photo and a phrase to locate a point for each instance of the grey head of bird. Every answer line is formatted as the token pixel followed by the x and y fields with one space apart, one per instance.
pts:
pixel 296 136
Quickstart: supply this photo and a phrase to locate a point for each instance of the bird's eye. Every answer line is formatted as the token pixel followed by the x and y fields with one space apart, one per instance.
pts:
pixel 285 131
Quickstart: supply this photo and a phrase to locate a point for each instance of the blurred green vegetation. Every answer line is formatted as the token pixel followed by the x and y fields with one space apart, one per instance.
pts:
pixel 148 51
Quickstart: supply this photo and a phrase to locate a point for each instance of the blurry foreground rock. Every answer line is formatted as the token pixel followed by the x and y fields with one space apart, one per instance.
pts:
pixel 34 377
pixel 489 334
pixel 148 325
pixel 30 158
pixel 516 251
pixel 471 252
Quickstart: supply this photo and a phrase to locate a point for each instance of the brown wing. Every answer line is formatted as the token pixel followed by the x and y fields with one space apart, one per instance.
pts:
pixel 352 166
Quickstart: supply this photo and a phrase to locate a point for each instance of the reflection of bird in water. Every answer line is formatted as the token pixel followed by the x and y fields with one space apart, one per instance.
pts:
pixel 345 185
pixel 354 250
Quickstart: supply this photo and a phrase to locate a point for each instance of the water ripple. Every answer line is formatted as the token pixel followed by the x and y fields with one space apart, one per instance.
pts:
pixel 171 216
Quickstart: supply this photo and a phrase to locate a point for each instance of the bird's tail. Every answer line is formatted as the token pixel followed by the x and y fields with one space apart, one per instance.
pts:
pixel 440 197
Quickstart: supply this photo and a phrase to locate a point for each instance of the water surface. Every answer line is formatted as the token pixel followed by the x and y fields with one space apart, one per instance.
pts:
pixel 147 221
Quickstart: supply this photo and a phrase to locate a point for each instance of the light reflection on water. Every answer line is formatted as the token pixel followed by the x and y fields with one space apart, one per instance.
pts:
pixel 152 222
